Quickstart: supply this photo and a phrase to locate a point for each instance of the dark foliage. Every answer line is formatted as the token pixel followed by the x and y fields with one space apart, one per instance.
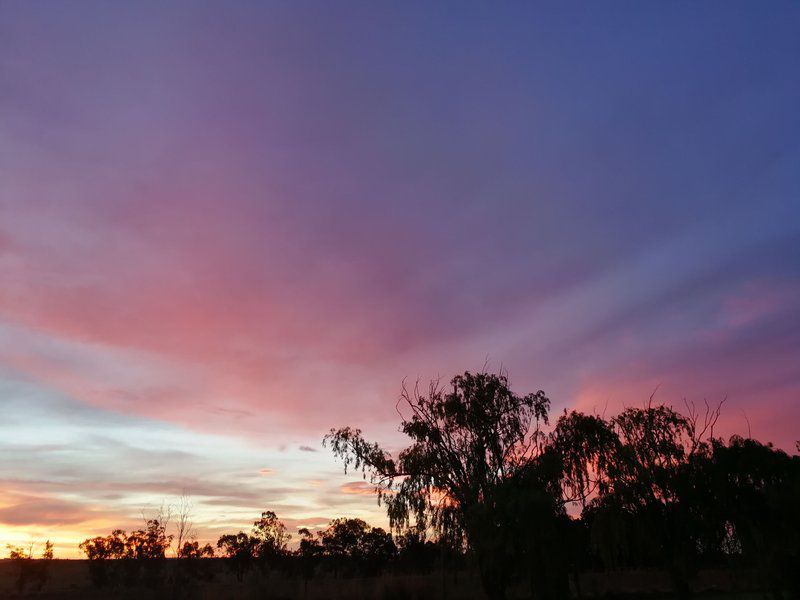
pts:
pixel 32 574
pixel 657 489
pixel 351 546
pixel 138 557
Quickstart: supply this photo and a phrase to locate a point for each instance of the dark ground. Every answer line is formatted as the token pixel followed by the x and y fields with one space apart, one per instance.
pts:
pixel 69 580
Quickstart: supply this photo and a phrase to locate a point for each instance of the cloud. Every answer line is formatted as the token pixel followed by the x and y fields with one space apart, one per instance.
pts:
pixel 361 488
pixel 29 510
pixel 73 471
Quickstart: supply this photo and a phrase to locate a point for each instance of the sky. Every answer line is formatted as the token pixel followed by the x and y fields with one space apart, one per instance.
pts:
pixel 227 227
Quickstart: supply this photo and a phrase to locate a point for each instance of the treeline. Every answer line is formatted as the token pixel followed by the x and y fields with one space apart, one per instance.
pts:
pixel 652 488
pixel 490 484
pixel 32 575
pixel 345 548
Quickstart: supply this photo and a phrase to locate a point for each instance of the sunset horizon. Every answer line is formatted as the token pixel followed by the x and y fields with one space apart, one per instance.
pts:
pixel 227 230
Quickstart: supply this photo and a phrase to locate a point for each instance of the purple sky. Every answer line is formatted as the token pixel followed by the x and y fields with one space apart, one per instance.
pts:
pixel 225 229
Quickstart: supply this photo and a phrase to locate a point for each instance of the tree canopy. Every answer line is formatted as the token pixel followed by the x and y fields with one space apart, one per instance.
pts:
pixel 487 466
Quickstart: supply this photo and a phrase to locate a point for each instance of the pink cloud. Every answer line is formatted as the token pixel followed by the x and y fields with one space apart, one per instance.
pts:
pixel 360 488
pixel 758 300
pixel 752 402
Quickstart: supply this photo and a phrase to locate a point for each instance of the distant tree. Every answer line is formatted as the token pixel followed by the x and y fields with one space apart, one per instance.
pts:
pixel 19 552
pixel 184 527
pixel 309 554
pixel 141 551
pixel 47 553
pixel 191 566
pixel 309 545
pixel 101 549
pixel 31 574
pixel 474 447
pixel 23 558
pixel 113 546
pixel 240 551
pixel 193 550
pixel 415 553
pixel 265 547
pixel 150 543
pixel 354 546
pixel 271 539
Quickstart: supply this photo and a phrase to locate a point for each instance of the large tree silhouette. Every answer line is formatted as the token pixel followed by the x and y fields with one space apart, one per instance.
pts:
pixel 754 509
pixel 479 465
pixel 648 500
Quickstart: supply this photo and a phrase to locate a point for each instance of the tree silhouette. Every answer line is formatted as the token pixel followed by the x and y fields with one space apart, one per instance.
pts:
pixel 266 546
pixel 143 550
pixel 479 459
pixel 415 553
pixel 271 539
pixel 148 547
pixel 31 574
pixel 101 549
pixel 150 543
pixel 309 553
pixel 184 528
pixel 240 551
pixel 190 565
pixel 755 491
pixel 193 550
pixel 649 494
pixel 353 546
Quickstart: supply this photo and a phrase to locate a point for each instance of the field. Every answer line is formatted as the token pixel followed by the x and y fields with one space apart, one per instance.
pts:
pixel 69 580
